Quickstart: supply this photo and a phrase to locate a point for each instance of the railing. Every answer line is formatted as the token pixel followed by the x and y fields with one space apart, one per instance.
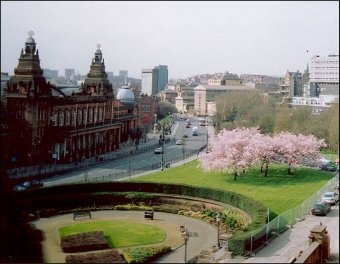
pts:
pixel 249 244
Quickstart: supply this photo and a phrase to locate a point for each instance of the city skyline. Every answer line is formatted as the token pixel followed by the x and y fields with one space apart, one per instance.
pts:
pixel 265 38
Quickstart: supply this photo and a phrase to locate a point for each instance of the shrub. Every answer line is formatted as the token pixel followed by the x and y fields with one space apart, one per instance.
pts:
pixel 84 242
pixel 112 256
pixel 144 254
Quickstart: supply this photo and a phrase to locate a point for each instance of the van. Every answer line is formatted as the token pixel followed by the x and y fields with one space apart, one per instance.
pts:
pixel 195 131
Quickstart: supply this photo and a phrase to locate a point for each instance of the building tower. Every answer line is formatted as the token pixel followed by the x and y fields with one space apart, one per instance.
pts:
pixel 28 100
pixel 97 82
pixel 28 79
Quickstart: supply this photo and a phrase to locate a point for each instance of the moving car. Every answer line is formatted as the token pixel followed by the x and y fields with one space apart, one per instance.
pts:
pixel 195 131
pixel 158 150
pixel 330 197
pixel 320 208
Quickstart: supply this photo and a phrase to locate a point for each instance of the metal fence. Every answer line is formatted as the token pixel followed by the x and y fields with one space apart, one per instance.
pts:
pixel 249 244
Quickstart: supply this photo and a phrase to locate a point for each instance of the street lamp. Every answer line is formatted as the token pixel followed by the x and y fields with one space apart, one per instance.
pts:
pixel 185 235
pixel 130 143
pixel 218 220
pixel 155 125
pixel 163 139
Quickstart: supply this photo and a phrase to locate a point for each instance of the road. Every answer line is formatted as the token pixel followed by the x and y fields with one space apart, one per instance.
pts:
pixel 147 161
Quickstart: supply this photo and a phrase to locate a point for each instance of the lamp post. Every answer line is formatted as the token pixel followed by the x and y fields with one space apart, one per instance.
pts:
pixel 207 151
pixel 185 235
pixel 163 139
pixel 155 124
pixel 218 220
pixel 130 143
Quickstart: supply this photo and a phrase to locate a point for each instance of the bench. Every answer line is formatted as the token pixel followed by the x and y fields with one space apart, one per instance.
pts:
pixel 148 214
pixel 81 214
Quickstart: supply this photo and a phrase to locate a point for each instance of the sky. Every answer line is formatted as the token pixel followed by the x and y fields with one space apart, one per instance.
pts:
pixel 190 37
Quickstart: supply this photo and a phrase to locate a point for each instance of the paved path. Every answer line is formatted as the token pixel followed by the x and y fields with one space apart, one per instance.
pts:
pixel 202 235
pixel 287 246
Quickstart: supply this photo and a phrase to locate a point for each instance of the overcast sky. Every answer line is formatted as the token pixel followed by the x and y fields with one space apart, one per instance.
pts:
pixel 191 37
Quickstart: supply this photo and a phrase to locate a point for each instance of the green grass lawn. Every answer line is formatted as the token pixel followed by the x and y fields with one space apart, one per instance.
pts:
pixel 279 191
pixel 118 233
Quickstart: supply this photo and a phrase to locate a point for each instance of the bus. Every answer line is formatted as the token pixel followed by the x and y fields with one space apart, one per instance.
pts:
pixel 203 122
pixel 195 131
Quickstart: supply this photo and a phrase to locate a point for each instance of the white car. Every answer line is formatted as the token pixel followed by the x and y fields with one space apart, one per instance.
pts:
pixel 158 150
pixel 179 142
pixel 330 197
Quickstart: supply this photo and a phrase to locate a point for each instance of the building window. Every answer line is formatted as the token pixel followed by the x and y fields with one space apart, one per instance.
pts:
pixel 68 117
pixel 95 114
pixel 80 117
pixel 90 115
pixel 85 116
pixel 61 123
pixel 100 118
pixel 55 118
pixel 74 117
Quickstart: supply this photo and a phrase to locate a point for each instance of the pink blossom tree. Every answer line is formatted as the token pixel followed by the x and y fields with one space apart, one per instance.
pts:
pixel 294 149
pixel 265 151
pixel 232 151
pixel 237 150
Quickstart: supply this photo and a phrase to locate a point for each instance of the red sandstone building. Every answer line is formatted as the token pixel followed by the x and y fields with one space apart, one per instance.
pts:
pixel 40 123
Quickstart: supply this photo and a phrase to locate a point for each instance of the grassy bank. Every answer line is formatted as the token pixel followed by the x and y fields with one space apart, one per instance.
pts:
pixel 279 191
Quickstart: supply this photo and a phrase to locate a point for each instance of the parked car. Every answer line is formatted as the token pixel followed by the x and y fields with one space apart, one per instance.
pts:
pixel 330 166
pixel 330 197
pixel 187 126
pixel 28 185
pixel 185 136
pixel 158 150
pixel 320 208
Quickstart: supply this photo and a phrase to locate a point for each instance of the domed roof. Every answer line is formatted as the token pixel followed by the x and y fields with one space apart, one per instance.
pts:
pixel 126 96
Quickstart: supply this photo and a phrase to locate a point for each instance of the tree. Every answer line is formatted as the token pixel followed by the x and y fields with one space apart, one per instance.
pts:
pixel 165 107
pixel 333 128
pixel 296 149
pixel 237 150
pixel 232 151
pixel 245 109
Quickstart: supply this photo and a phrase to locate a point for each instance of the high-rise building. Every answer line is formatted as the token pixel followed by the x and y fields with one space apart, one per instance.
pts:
pixel 69 74
pixel 123 73
pixel 162 79
pixel 324 74
pixel 146 87
pixel 154 80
